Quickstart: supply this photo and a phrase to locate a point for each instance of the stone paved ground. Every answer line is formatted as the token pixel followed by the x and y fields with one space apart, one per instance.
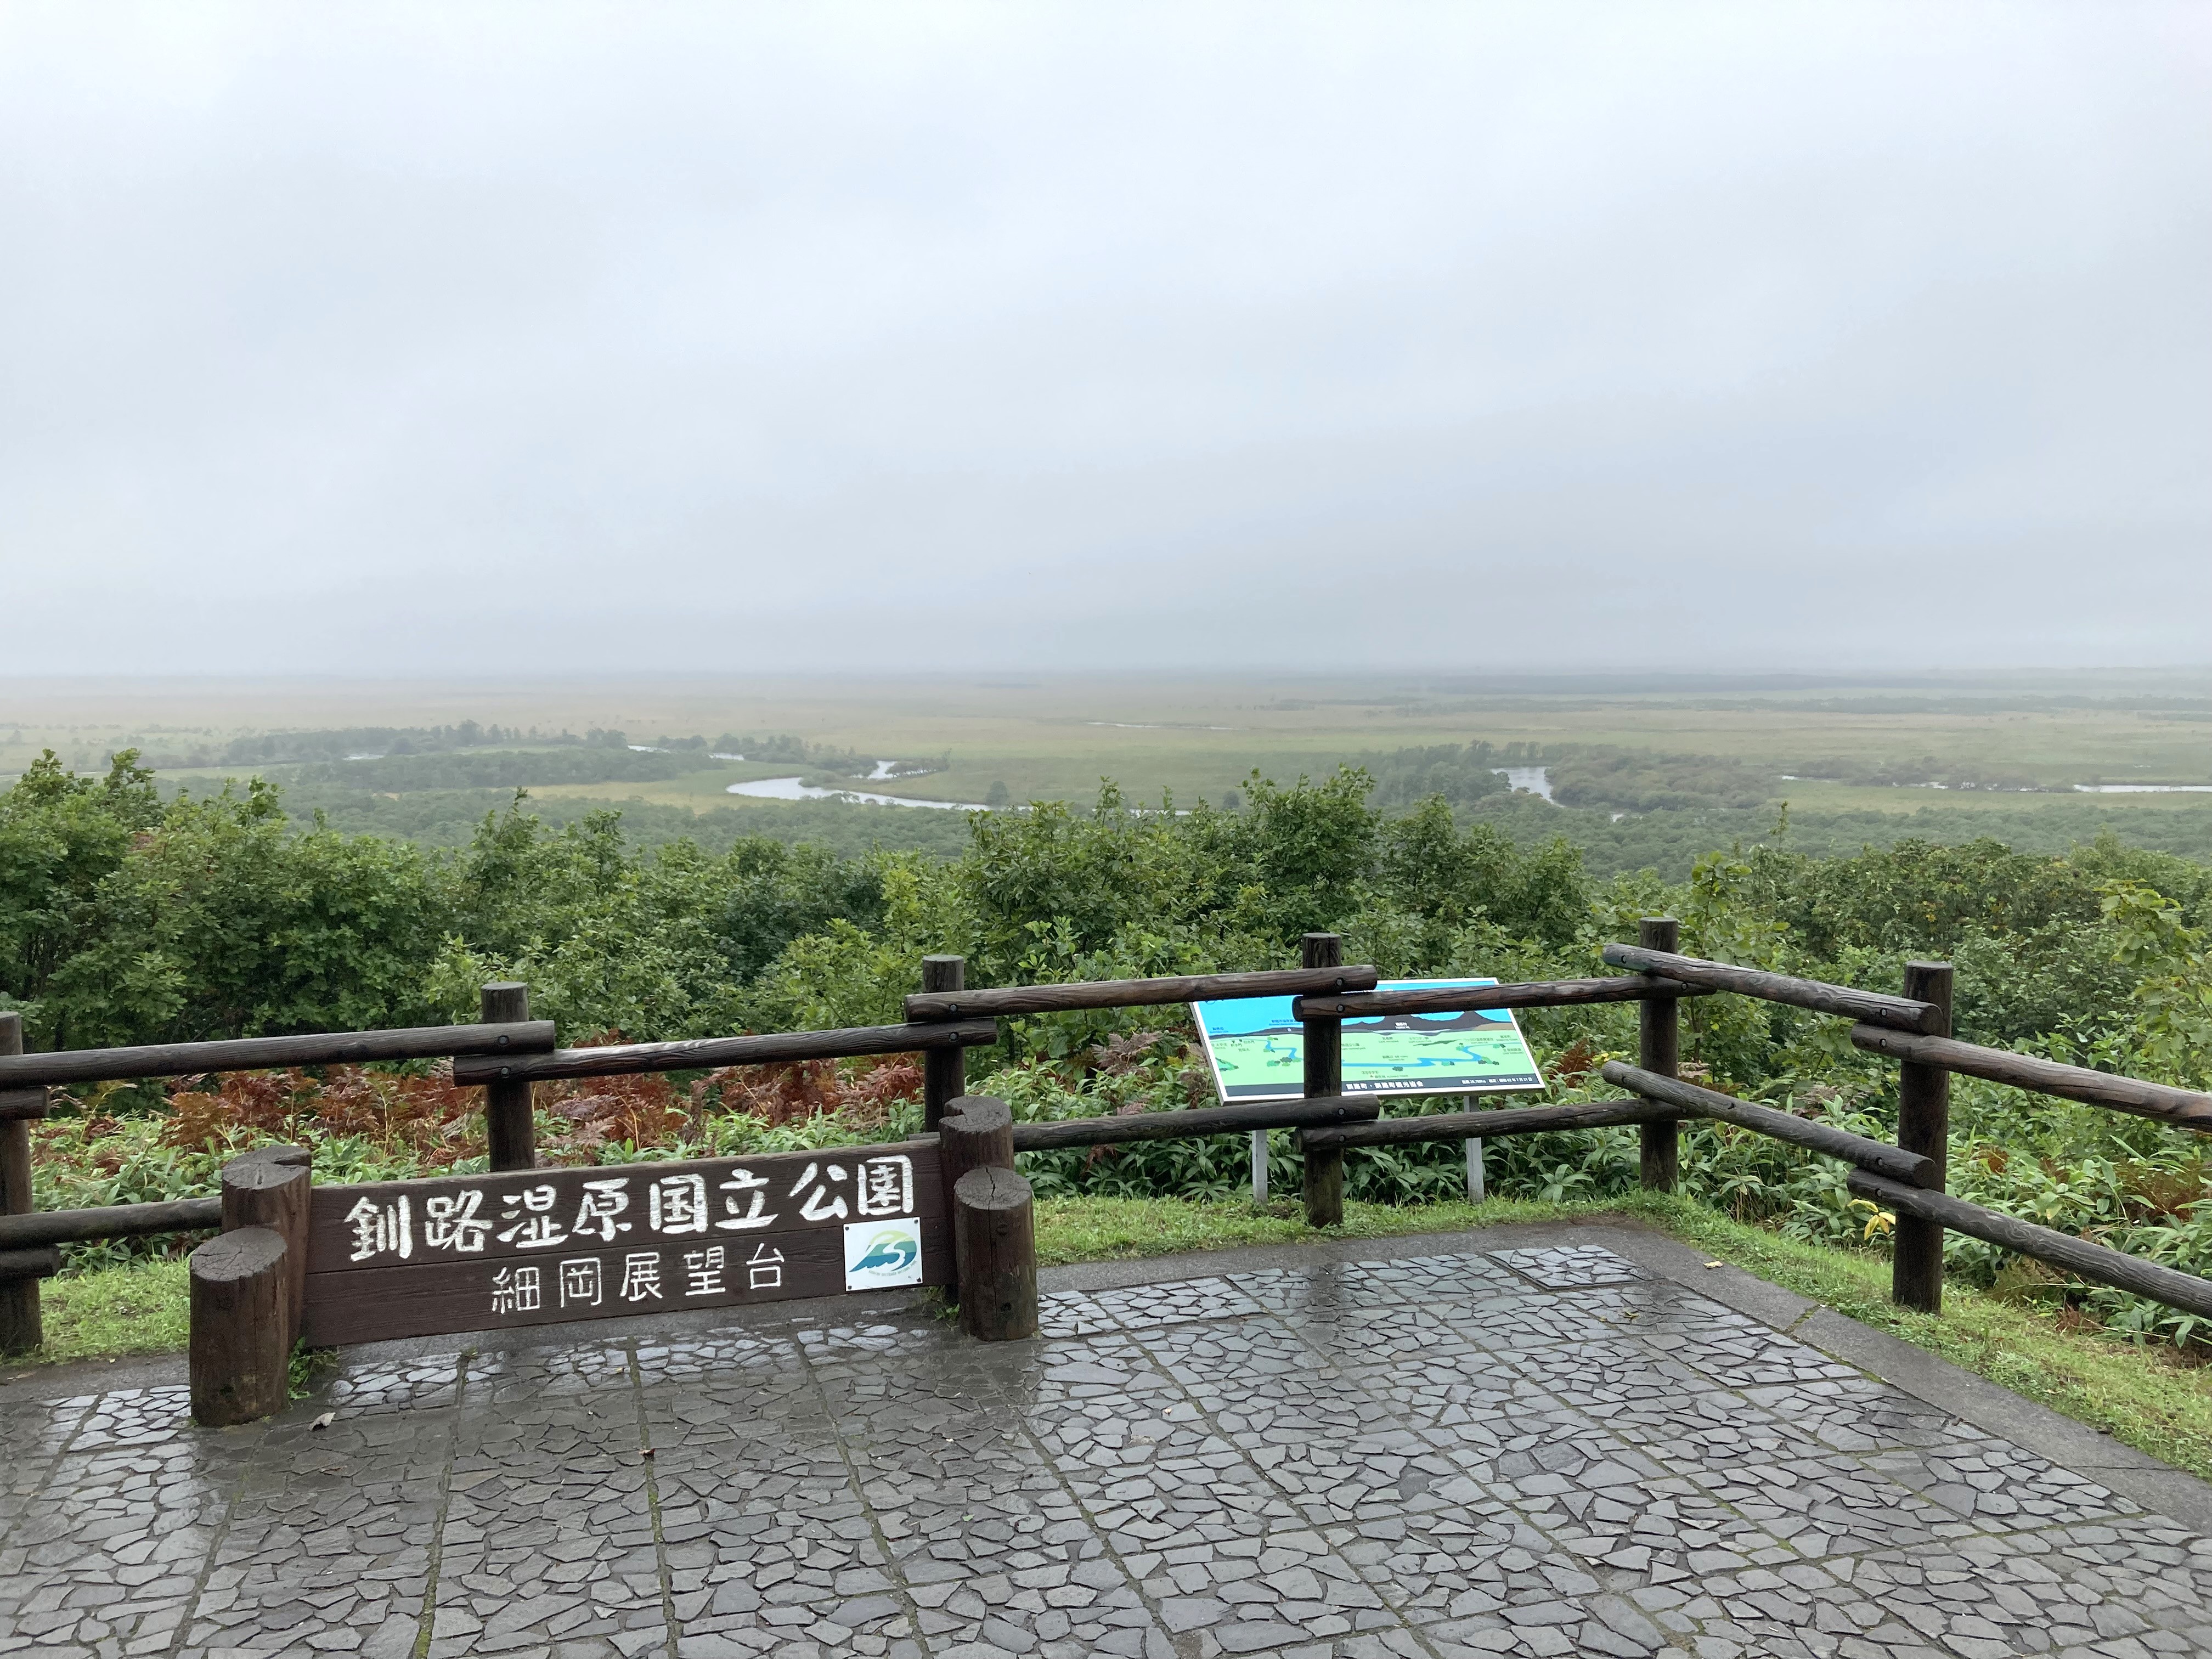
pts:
pixel 1482 1448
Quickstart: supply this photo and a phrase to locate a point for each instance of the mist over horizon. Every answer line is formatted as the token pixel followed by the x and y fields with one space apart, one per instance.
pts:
pixel 417 346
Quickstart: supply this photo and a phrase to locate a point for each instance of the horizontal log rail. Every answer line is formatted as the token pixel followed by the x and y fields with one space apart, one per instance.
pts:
pixel 1198 1121
pixel 43 1263
pixel 1134 993
pixel 64 1066
pixel 23 1104
pixel 1876 1155
pixel 43 1227
pixel 1465 999
pixel 706 1053
pixel 2097 1262
pixel 1486 1125
pixel 2183 1107
pixel 942 1023
pixel 1902 1013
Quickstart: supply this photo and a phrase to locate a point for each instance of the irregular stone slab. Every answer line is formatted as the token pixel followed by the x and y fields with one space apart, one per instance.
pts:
pixel 1534 1442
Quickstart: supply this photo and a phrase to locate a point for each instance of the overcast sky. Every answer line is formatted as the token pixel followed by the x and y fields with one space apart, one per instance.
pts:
pixel 447 339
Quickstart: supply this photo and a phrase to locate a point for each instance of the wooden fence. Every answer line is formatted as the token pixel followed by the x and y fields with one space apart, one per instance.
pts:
pixel 292 1261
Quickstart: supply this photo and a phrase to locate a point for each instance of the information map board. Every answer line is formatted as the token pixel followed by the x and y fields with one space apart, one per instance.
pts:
pixel 1258 1050
pixel 534 1247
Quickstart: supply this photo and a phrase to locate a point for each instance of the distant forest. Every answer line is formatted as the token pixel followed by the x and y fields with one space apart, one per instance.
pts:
pixel 1624 810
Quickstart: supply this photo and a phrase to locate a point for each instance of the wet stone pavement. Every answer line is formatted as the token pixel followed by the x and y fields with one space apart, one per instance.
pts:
pixel 1471 1447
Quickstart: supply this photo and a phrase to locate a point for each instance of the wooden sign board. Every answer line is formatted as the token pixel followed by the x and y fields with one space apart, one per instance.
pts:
pixel 537 1247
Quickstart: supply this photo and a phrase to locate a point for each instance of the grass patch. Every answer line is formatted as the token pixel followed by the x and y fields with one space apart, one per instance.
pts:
pixel 2146 1395
pixel 140 1309
pixel 1072 1230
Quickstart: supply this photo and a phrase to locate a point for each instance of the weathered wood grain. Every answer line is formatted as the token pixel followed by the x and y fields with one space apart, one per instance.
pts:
pixel 430 1298
pixel 1196 1121
pixel 1923 1126
pixel 30 1264
pixel 1322 1045
pixel 1876 1155
pixel 1485 1126
pixel 944 1071
pixel 994 1229
pixel 24 1103
pixel 976 1133
pixel 264 1053
pixel 268 1187
pixel 238 1358
pixel 180 1215
pixel 1900 1012
pixel 2183 1107
pixel 21 1326
pixel 510 1133
pixel 529 1214
pixel 2094 1262
pixel 1463 999
pixel 1013 1000
pixel 1658 1049
pixel 705 1053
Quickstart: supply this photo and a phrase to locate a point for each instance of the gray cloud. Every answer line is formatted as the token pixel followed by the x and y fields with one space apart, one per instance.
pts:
pixel 411 339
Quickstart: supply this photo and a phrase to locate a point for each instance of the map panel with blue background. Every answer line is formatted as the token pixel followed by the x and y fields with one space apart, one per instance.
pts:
pixel 1258 1051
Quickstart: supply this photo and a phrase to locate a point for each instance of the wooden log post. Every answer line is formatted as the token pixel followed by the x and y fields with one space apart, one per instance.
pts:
pixel 944 1071
pixel 270 1187
pixel 1659 1048
pixel 976 1132
pixel 239 1362
pixel 1923 1126
pixel 994 1240
pixel 1323 1045
pixel 509 1131
pixel 21 1328
pixel 248 1289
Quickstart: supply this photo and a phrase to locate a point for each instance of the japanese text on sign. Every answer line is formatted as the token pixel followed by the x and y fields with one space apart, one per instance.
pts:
pixel 534 1215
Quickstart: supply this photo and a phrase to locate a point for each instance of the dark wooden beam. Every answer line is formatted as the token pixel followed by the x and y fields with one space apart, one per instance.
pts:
pixel 30 1264
pixel 23 1105
pixel 1246 1115
pixel 994 1242
pixel 1659 1049
pixel 183 1215
pixel 1485 1126
pixel 1133 992
pixel 1923 1126
pixel 2076 1255
pixel 22 1326
pixel 1693 1100
pixel 239 1355
pixel 2184 1109
pixel 267 1054
pixel 1901 1012
pixel 1323 1046
pixel 706 1053
pixel 1458 999
pixel 944 1070
pixel 510 1127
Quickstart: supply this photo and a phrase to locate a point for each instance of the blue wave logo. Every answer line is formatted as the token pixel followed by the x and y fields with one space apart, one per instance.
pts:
pixel 888 1252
